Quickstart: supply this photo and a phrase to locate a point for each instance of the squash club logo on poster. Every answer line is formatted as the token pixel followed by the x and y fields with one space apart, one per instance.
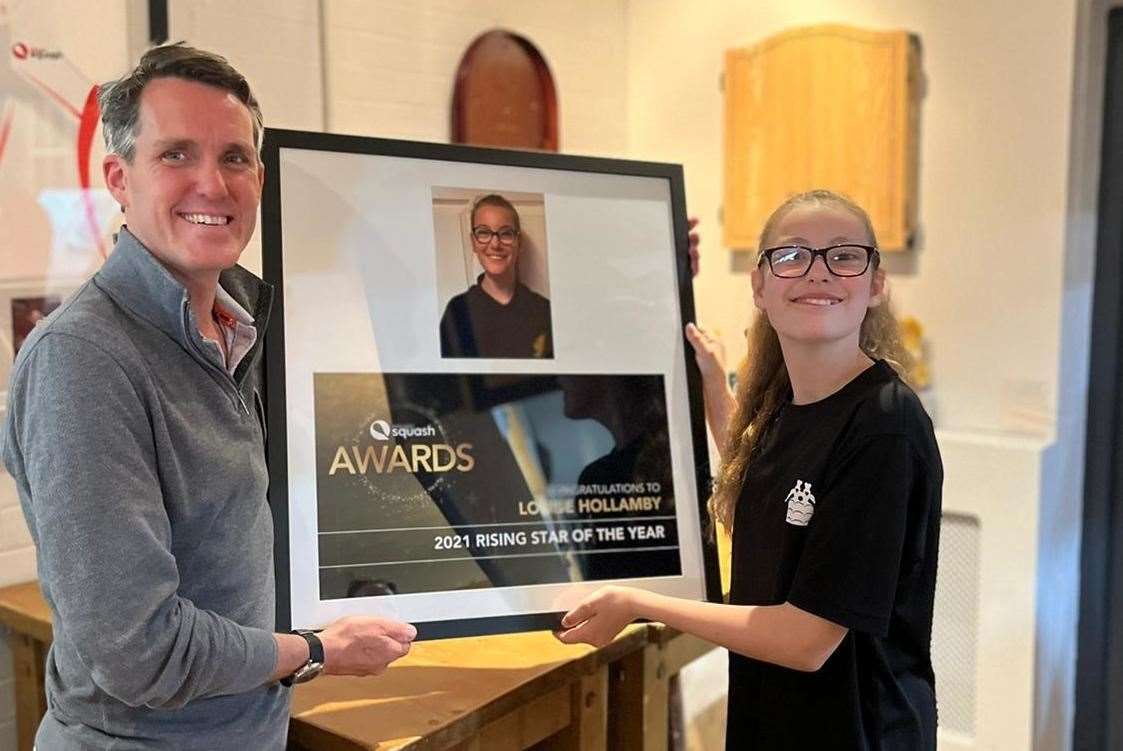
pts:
pixel 384 456
pixel 436 481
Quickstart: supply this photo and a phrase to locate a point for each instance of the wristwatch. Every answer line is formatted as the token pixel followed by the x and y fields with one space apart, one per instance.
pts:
pixel 315 664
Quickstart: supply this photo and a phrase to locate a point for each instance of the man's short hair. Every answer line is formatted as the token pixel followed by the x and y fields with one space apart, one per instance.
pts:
pixel 119 100
pixel 494 199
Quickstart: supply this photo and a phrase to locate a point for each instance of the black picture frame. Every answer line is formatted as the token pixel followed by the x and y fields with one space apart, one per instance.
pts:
pixel 277 140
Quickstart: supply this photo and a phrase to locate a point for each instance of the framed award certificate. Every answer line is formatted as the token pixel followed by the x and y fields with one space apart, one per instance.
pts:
pixel 480 402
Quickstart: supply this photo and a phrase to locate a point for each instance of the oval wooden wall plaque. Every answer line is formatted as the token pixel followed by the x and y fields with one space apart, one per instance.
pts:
pixel 505 95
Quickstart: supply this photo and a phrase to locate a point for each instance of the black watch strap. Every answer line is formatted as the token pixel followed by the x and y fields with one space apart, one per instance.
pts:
pixel 315 664
pixel 315 646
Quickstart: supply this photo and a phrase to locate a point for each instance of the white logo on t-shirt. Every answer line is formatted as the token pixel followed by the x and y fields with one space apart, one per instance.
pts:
pixel 801 504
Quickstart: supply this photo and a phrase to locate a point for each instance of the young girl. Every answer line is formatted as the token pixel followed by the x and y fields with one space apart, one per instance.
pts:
pixel 498 316
pixel 831 484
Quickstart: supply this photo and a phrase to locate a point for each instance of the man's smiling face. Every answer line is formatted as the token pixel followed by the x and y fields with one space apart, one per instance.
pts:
pixel 192 188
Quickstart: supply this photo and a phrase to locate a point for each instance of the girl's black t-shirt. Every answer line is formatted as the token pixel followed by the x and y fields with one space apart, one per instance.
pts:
pixel 840 516
pixel 474 324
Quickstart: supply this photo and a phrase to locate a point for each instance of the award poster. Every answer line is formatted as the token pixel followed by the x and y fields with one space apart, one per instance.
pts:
pixel 481 405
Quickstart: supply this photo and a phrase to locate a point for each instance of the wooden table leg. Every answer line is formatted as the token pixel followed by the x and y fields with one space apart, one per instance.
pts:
pixel 676 715
pixel 28 660
pixel 638 701
pixel 640 690
pixel 594 710
pixel 588 725
pixel 656 699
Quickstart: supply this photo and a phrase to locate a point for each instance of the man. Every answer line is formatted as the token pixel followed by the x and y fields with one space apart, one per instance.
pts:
pixel 134 433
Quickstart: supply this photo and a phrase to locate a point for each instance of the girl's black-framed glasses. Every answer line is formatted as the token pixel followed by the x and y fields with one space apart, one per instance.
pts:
pixel 793 261
pixel 506 236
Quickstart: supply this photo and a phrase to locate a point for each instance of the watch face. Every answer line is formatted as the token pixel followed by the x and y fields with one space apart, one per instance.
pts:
pixel 308 672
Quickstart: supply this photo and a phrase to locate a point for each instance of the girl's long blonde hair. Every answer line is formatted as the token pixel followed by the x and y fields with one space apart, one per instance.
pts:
pixel 762 381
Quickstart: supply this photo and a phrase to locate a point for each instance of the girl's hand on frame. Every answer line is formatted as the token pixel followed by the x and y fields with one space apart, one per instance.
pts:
pixel 695 255
pixel 709 352
pixel 599 618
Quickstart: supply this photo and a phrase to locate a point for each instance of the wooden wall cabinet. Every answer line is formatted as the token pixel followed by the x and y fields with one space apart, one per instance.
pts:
pixel 823 107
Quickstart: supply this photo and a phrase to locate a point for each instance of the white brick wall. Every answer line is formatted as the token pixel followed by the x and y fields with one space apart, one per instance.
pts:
pixel 274 43
pixel 13 533
pixel 391 65
pixel 17 556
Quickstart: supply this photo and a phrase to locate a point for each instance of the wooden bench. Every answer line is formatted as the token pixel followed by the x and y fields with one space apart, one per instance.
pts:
pixel 497 693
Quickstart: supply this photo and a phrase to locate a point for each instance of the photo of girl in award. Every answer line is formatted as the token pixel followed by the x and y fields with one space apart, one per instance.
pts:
pixel 492 274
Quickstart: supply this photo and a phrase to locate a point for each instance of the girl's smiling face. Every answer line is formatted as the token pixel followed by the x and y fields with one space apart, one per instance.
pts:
pixel 496 258
pixel 818 306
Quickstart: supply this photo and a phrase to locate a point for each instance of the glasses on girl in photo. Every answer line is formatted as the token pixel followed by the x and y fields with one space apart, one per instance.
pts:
pixel 506 235
pixel 791 261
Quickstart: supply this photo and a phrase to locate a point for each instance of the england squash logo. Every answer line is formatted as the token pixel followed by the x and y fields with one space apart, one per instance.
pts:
pixel 801 504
